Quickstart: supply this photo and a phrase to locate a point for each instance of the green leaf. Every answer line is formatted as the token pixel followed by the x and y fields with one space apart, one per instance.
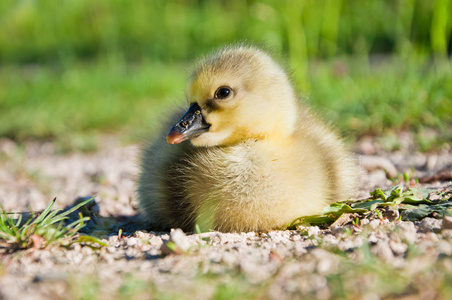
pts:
pixel 368 205
pixel 412 203
pixel 91 239
pixel 337 209
pixel 420 192
pixel 425 210
pixel 378 194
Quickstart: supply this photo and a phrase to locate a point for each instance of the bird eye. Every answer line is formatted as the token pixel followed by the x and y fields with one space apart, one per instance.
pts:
pixel 223 92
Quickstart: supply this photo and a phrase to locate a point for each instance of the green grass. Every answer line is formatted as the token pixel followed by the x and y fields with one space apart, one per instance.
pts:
pixel 50 101
pixel 49 225
pixel 49 31
pixel 72 70
pixel 75 103
pixel 391 94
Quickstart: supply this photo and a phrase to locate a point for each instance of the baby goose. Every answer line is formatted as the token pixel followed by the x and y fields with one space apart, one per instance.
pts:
pixel 257 159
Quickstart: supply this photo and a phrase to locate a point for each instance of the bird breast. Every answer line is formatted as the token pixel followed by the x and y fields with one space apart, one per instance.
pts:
pixel 232 174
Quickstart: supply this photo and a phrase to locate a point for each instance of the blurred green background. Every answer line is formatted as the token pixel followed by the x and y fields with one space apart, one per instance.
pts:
pixel 71 70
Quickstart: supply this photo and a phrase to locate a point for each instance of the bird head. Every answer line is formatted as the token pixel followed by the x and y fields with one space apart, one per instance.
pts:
pixel 238 93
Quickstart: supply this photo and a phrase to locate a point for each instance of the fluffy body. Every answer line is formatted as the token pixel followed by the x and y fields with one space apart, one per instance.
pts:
pixel 264 161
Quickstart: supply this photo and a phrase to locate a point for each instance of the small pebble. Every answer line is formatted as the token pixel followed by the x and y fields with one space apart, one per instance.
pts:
pixel 375 223
pixel 447 222
pixel 178 237
pixel 131 242
pixel 313 230
pixel 430 224
pixel 407 232
pixel 87 250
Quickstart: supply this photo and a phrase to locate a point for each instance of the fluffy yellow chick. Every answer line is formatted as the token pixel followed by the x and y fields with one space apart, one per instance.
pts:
pixel 256 159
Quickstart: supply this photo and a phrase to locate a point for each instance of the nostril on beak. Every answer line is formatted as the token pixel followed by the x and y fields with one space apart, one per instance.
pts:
pixel 184 124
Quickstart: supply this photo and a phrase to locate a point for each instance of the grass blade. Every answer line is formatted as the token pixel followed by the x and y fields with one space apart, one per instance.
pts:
pixel 45 212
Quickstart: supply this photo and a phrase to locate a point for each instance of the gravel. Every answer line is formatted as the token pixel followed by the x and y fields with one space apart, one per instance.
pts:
pixel 343 261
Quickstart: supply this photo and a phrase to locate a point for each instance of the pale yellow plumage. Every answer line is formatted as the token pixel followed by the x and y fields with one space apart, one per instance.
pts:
pixel 263 161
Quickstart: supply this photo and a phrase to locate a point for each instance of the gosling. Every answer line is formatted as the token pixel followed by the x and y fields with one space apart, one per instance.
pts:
pixel 256 160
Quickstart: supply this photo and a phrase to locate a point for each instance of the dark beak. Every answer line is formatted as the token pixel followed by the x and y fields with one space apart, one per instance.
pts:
pixel 191 125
